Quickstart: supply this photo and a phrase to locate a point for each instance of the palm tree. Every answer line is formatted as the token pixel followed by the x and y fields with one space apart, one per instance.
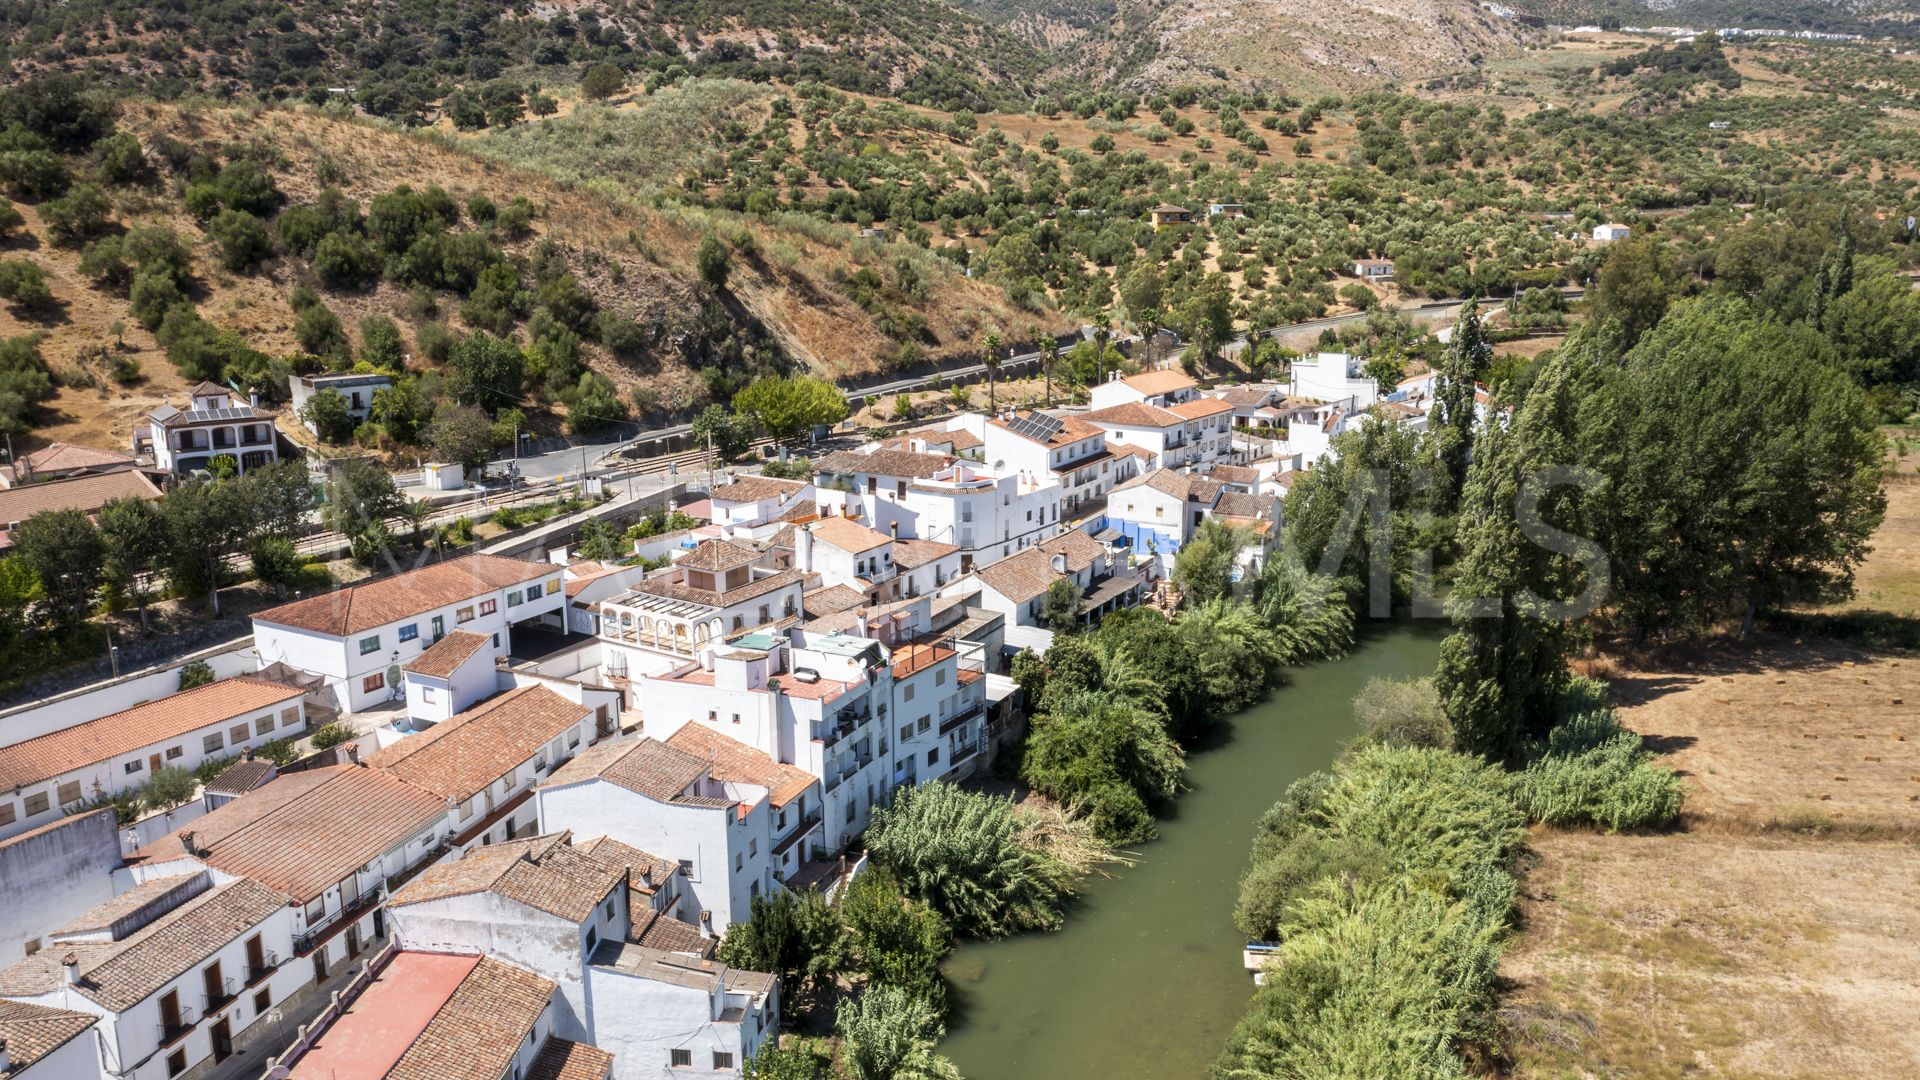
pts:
pixel 990 359
pixel 416 513
pixel 1049 347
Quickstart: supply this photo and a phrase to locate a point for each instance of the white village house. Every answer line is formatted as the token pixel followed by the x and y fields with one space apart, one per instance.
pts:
pixel 357 638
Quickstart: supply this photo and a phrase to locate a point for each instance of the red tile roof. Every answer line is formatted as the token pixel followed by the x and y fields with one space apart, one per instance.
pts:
pixel 306 831
pixel 1024 576
pixel 913 554
pixel 901 463
pixel 117 975
pixel 546 873
pixel 31 1032
pixel 1160 381
pixel 86 494
pixel 481 1028
pixel 1199 408
pixel 848 536
pixel 135 729
pixel 646 767
pixel 733 761
pixel 756 489
pixel 564 1059
pixel 417 592
pixel 378 1028
pixel 1134 414
pixel 461 756
pixel 445 656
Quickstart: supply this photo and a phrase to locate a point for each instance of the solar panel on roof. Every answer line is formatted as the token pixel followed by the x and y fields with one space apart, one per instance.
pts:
pixel 1036 426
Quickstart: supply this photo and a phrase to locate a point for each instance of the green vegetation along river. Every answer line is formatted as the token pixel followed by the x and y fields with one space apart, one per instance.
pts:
pixel 1145 980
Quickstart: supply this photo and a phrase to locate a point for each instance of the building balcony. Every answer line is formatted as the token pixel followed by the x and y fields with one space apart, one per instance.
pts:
pixel 270 963
pixel 178 1029
pixel 214 1002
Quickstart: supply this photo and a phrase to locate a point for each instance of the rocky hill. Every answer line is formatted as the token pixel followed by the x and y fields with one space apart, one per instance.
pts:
pixel 402 57
pixel 1296 45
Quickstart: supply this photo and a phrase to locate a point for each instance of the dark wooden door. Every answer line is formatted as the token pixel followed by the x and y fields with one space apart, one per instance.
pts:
pixel 222 1040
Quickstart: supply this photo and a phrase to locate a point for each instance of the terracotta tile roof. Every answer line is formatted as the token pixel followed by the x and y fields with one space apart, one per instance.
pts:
pixel 133 730
pixel 1169 208
pixel 717 555
pixel 1199 408
pixel 242 777
pixel 658 930
pixel 64 457
pixel 546 873
pixel 1160 381
pixel 1246 397
pixel 904 463
pixel 165 892
pixel 1190 487
pixel 416 592
pixel 1238 504
pixel 646 872
pixel 733 761
pixel 445 656
pixel 757 488
pixel 1134 414
pixel 674 590
pixel 481 1027
pixel 1234 474
pixel 459 757
pixel 305 831
pixel 833 600
pixel 1024 576
pixel 1072 428
pixel 31 1032
pixel 579 576
pixel 209 388
pixel 645 766
pixel 913 554
pixel 86 494
pixel 564 1059
pixel 117 975
pixel 849 536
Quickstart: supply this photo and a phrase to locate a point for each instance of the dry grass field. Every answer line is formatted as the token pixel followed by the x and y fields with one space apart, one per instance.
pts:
pixel 1777 934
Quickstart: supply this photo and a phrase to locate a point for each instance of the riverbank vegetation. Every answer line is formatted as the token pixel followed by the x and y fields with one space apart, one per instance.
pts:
pixel 947 863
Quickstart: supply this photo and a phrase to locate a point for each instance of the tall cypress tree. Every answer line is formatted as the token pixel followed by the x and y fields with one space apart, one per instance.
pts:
pixel 1461 366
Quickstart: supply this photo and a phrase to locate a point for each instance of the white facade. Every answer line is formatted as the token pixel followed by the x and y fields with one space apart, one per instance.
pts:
pixel 32 804
pixel 721 835
pixel 1336 379
pixel 363 665
pixel 1608 233
pixel 546 944
pixel 212 425
pixel 358 388
pixel 1076 458
pixel 679 1017
pixel 988 516
pixel 197 1014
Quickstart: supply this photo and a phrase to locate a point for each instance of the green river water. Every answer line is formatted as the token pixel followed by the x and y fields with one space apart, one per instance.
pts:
pixel 1145 979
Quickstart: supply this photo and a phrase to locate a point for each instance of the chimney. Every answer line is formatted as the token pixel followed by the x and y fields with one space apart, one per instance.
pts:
pixel 893 527
pixel 186 842
pixel 1059 562
pixel 353 753
pixel 71 964
pixel 246 754
pixel 253 396
pixel 6 1062
pixel 803 549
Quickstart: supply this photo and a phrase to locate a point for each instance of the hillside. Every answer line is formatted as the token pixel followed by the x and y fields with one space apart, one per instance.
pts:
pixel 1307 46
pixel 785 304
pixel 401 58
pixel 1869 17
